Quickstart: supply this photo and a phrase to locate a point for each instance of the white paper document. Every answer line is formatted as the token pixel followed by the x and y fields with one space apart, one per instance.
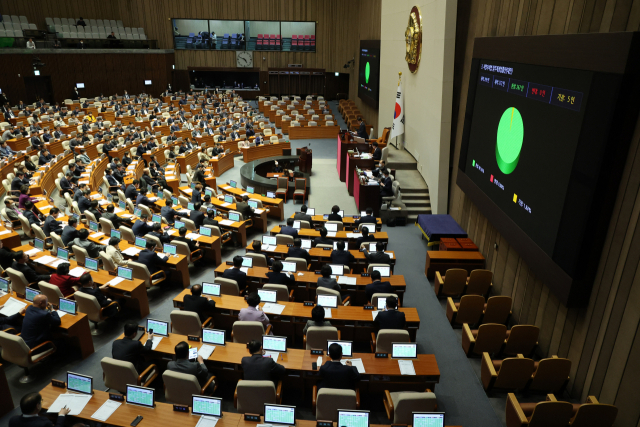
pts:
pixel 4 232
pixel 258 211
pixel 41 208
pixel 269 248
pixel 57 262
pixel 192 236
pixel 226 222
pixel 115 281
pixel 155 340
pixel 331 234
pixel 106 410
pixel 95 235
pixel 31 252
pixel 225 204
pixel 75 402
pixel 45 259
pixel 184 211
pixel 172 232
pixel 12 306
pixel 188 190
pixel 206 350
pixel 117 210
pixel 374 313
pixel 245 270
pixel 327 313
pixel 353 235
pixel 346 280
pixel 355 362
pixel 206 421
pixel 126 216
pixel 60 313
pixel 273 308
pixel 132 251
pixel 406 367
pixel 272 354
pixel 77 272
pixel 390 254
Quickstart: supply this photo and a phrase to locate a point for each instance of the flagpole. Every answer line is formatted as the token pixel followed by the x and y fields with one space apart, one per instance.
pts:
pixel 399 80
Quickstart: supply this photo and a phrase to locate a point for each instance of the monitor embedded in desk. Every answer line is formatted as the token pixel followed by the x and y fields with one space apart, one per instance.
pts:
pixel 140 396
pixel 296 225
pixel 250 190
pixel 91 264
pixel 205 231
pixel 115 233
pixel 385 271
pixel 331 227
pixel 178 225
pixel 247 262
pixel 428 419
pixel 125 273
pixel 158 327
pixel 157 218
pixel 63 254
pixel 269 240
pixel 229 199
pixel 175 201
pixel 137 212
pixel 267 295
pixel 253 204
pixel 233 216
pixel 191 206
pixel 353 418
pixel 38 244
pixel 329 301
pixel 273 343
pixel 4 285
pixel 30 294
pixel 347 347
pixel 305 243
pixel 213 336
pixel 233 184
pixel 79 383
pixel 341 213
pixel 170 249
pixel 271 194
pixel 311 211
pixel 122 205
pixel 141 242
pixel 404 350
pixel 68 306
pixel 289 266
pixel 280 414
pixel 205 405
pixel 212 289
pixel 93 226
pixel 337 269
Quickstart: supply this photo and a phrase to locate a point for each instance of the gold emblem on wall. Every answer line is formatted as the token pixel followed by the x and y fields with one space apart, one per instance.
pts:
pixel 413 39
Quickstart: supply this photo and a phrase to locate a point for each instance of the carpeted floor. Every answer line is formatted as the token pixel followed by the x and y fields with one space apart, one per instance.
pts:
pixel 459 392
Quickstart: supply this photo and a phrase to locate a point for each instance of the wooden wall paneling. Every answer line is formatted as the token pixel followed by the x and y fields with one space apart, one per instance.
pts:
pixel 510 268
pixel 633 24
pixel 519 287
pixel 620 15
pixel 627 395
pixel 558 329
pixel 529 315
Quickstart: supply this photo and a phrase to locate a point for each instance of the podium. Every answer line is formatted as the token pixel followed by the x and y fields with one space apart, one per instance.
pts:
pixel 305 159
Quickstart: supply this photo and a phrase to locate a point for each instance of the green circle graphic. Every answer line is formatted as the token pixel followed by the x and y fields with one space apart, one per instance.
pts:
pixel 509 140
pixel 367 71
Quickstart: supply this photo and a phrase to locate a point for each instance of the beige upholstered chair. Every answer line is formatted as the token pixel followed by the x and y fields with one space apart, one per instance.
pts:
pixel 116 374
pixel 400 406
pixel 282 292
pixel 182 248
pixel 107 262
pixel 250 396
pixel 382 343
pixel 88 304
pixel 80 254
pixel 56 242
pixel 339 224
pixel 127 234
pixel 327 291
pixel 284 239
pixel 187 323
pixel 327 401
pixel 106 225
pixel 282 187
pixel 259 260
pixel 39 234
pixel 228 286
pixel 26 227
pixel 317 336
pixel 179 387
pixel 19 283
pixel 245 331
pixel 140 271
pixel 15 350
pixel 300 189
pixel 376 296
pixel 301 263
pixel 52 292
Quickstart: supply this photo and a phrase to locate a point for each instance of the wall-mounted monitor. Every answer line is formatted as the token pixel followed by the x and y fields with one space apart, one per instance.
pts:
pixel 369 72
pixel 147 82
pixel 80 85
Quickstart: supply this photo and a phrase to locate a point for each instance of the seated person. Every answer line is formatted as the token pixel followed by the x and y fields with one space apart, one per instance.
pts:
pixel 93 249
pixel 193 245
pixel 39 319
pixel 111 216
pixel 366 237
pixel 31 407
pixel 317 319
pixel 129 349
pixel 113 252
pixel 379 256
pixel 253 313
pixel 326 281
pixel 157 232
pixel 70 232
pixel 391 318
pixel 183 365
pixel 236 274
pixel 63 280
pixel 196 215
pixel 140 227
pixel 288 229
pixel 367 219
pixel 296 250
pixel 334 216
pixel 257 249
pixel 302 215
pixel 89 287
pixel 259 368
pixel 210 219
pixel 277 277
pixel 377 286
pixel 151 259
pixel 322 240
pixel 336 375
pixel 169 213
pixel 200 305
pixel 342 256
pixel 20 263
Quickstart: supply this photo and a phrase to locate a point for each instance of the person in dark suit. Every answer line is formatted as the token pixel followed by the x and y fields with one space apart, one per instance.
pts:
pixel 236 274
pixel 386 187
pixel 157 232
pixel 196 215
pixel 196 194
pixel 111 216
pixel 69 233
pixel 84 202
pixel 140 227
pixel 182 232
pixel 95 210
pixel 20 264
pixel 198 175
pixel 377 152
pixel 200 305
pixel 128 349
pixel 210 219
pixel 336 375
pixel 51 224
pixel 244 208
pixel 31 406
pixel 390 318
pixel 259 368
pixel 326 281
pixel 82 241
pixel 89 287
pixel 142 199
pixel 31 216
pixel 367 219
pixel 288 229
pixel 152 260
pixel 341 256
pixel 183 365
pixel 297 251
pixel 38 321
pixel 362 129
pixel 334 215
pixel 19 181
pixel 377 257
pixel 366 237
pixel 169 213
pixel 132 190
pixel 322 240
pixel 302 215
pixel 377 286
pixel 257 249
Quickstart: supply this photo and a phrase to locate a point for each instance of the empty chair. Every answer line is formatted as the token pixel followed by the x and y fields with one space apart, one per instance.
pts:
pixel 487 338
pixel 479 283
pixel 259 260
pixel 52 292
pixel 140 271
pixel 400 406
pixel 326 291
pixel 117 374
pixel 300 189
pixel 19 283
pixel 542 414
pixel 327 401
pixel 245 331
pixel 187 323
pixel 382 343
pixel 512 373
pixel 521 339
pixel 317 337
pixel 282 187
pixel 452 284
pixel 468 310
pixel 497 310
pixel 179 387
pixel 16 351
pixel 284 239
pixel 593 414
pixel 301 263
pixel 228 286
pixel 551 375
pixel 282 292
pixel 250 396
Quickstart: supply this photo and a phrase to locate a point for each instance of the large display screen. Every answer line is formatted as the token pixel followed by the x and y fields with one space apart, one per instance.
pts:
pixel 369 72
pixel 524 134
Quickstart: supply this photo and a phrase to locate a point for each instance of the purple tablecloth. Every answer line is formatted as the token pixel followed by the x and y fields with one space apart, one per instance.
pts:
pixel 434 227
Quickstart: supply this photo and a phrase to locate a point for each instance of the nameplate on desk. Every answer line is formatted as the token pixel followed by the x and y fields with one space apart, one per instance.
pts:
pixel 317 352
pixel 364 274
pixel 193 338
pixel 141 328
pixel 252 417
pixel 318 272
pixel 382 355
pixel 112 273
pixel 58 383
pixel 309 303
pixel 324 424
pixel 327 249
pixel 369 307
pixel 181 408
pixel 229 262
pixel 289 245
pixel 116 397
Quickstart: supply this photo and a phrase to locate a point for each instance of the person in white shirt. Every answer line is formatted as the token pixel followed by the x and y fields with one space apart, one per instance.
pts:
pixel 31 44
pixel 114 253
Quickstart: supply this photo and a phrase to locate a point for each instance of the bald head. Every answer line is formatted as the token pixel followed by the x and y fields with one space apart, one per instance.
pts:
pixel 40 301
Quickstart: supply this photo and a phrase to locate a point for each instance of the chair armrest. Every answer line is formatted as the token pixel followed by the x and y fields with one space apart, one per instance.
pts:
pixel 38 347
pixel 373 342
pixel 346 301
pixel 551 398
pixel 488 373
pixel 592 399
pixel 207 384
pixel 468 341
pixel 314 398
pixel 268 330
pixel 388 404
pixel 279 392
pixel 158 272
pixel 291 297
pixel 452 311
pixel 207 322
pixel 10 331
pixel 304 341
pixel 106 307
pixel 438 283
pixel 145 373
pixel 357 398
pixel 514 412
pixel 197 250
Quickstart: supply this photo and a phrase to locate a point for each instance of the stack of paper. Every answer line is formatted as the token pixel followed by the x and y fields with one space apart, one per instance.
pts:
pixel 327 313
pixel 188 190
pixel 406 367
pixel 346 280
pixel 75 402
pixel 245 270
pixel 32 252
pixel 132 251
pixel 331 234
pixel 114 282
pixel 77 272
pixel 225 204
pixel 106 410
pixel 4 232
pixel 155 340
pixel 117 210
pixel 192 236
pixel 226 222
pixel 103 202
pixel 206 421
pixel 273 308
pixel 206 350
pixel 57 262
pixel 60 313
pixel 268 248
pixel 12 306
pixel 172 232
pixel 272 354
pixel 374 313
pixel 127 215
pixel 390 254
pixel 258 211
pixel 355 362
pixel 41 208
pixel 184 211
pixel 354 235
pixel 96 235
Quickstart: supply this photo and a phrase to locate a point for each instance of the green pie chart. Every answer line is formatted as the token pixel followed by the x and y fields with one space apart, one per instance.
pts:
pixel 367 71
pixel 509 140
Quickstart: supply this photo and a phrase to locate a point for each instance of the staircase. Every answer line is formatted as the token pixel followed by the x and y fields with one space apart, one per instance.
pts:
pixel 415 192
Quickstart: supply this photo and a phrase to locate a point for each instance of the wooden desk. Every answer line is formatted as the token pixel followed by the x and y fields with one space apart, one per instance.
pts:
pixel 310 132
pixel 443 260
pixel 348 222
pixel 6 401
pixel 352 163
pixel 190 159
pixel 344 146
pixel 11 239
pixel 72 328
pixel 221 164
pixel 367 196
pixel 262 151
pixel 340 235
pixel 275 206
